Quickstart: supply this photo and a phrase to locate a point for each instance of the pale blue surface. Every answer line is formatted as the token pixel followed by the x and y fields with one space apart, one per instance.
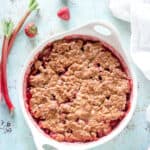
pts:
pixel 137 134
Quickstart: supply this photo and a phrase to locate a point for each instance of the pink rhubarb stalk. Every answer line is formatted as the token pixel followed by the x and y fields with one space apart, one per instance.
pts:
pixel 8 27
pixel 9 38
pixel 33 5
pixel 0 82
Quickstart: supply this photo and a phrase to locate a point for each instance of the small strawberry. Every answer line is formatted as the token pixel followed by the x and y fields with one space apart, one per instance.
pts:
pixel 64 13
pixel 31 30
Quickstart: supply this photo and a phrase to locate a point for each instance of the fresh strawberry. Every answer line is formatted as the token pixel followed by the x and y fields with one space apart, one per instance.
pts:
pixel 64 13
pixel 31 30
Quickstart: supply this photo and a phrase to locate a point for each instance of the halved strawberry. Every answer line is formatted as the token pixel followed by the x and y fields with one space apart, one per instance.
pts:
pixel 31 30
pixel 64 13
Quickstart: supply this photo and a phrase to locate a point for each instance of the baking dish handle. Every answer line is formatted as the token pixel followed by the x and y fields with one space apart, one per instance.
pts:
pixel 40 142
pixel 104 31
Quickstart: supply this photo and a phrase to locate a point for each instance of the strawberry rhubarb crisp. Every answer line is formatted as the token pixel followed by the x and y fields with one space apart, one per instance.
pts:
pixel 77 90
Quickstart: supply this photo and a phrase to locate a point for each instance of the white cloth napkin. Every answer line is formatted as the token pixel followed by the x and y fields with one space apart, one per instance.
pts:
pixel 137 12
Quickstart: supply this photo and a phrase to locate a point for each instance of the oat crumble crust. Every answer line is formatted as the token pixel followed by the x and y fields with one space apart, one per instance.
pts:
pixel 78 90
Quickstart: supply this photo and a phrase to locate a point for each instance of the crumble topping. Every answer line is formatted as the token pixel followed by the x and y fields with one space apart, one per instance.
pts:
pixel 79 91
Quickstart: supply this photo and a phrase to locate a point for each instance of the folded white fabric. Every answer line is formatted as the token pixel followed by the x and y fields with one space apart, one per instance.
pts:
pixel 137 12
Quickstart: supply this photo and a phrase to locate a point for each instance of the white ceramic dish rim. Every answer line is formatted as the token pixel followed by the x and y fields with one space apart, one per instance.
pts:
pixel 113 40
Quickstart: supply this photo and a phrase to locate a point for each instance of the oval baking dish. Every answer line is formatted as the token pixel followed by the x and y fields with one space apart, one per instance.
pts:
pixel 95 31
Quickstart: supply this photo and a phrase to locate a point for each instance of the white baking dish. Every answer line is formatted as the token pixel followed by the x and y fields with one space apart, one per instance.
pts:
pixel 90 30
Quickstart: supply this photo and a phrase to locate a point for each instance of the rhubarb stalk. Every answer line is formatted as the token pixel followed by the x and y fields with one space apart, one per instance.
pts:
pixel 9 38
pixel 8 28
pixel 33 5
pixel 1 92
pixel 0 82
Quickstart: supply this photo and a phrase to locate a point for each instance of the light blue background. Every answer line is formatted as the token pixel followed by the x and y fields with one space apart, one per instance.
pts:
pixel 136 136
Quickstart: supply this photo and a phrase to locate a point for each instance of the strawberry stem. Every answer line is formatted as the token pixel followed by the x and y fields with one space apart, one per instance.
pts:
pixel 33 29
pixel 8 28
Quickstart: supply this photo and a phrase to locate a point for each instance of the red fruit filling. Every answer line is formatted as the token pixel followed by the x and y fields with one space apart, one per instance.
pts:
pixel 77 90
